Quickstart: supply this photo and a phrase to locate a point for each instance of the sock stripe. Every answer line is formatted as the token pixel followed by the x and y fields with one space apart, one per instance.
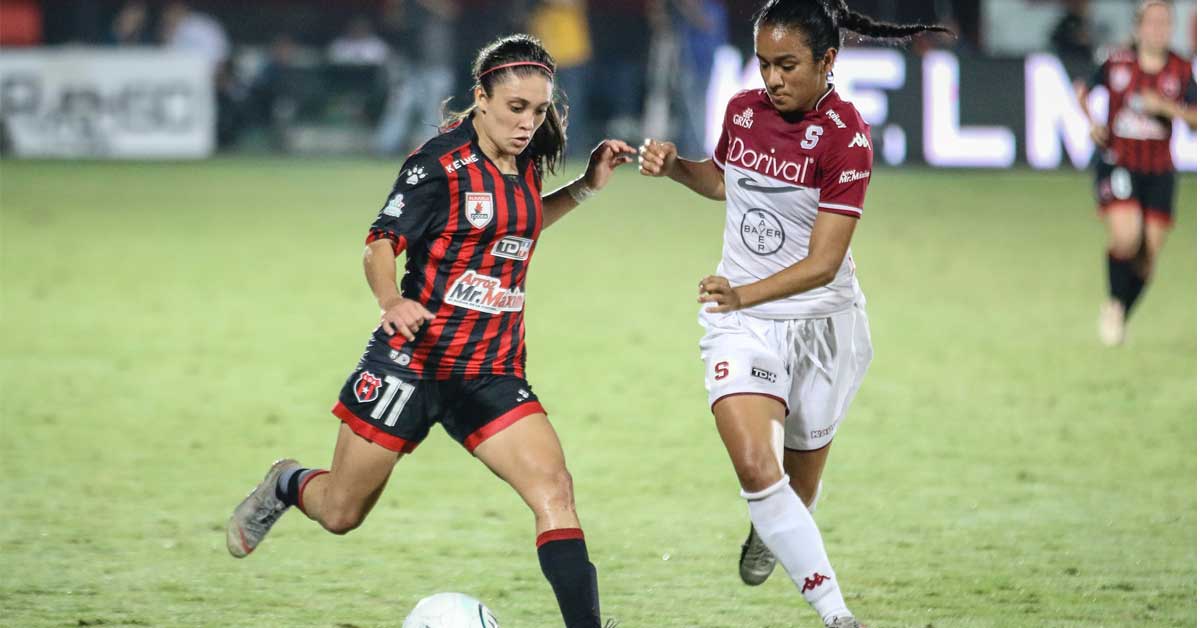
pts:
pixel 303 483
pixel 561 534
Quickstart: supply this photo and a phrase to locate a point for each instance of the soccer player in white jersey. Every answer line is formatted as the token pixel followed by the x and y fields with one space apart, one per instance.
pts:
pixel 787 342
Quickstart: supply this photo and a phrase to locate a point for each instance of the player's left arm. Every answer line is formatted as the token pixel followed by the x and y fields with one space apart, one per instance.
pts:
pixel 1184 108
pixel 826 250
pixel 606 157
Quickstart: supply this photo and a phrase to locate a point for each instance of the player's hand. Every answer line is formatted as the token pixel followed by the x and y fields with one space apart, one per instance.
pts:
pixel 1155 105
pixel 1099 134
pixel 656 159
pixel 717 290
pixel 403 316
pixel 606 157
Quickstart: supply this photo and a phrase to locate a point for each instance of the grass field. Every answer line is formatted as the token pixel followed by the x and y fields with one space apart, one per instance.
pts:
pixel 170 329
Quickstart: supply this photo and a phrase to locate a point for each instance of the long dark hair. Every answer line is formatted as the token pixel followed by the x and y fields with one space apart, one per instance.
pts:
pixel 549 142
pixel 823 21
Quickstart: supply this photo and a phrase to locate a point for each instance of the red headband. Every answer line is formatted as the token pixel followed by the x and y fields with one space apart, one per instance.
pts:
pixel 517 63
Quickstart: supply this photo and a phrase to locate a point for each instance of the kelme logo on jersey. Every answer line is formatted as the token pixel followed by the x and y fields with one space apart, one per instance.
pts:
pixel 415 174
pixel 459 163
pixel 744 119
pixel 513 247
pixel 478 207
pixel 762 232
pixel 484 294
pixel 366 389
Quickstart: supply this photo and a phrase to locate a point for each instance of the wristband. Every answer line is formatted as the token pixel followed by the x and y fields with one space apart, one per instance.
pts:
pixel 579 191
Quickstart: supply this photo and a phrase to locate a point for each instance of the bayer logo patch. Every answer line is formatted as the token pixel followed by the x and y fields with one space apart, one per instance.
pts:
pixel 762 232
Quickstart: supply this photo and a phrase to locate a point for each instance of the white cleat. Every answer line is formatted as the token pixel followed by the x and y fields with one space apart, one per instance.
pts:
pixel 253 518
pixel 1112 324
pixel 844 622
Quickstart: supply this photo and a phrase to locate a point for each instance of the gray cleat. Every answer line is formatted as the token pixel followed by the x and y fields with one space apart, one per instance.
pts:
pixel 757 562
pixel 844 622
pixel 253 518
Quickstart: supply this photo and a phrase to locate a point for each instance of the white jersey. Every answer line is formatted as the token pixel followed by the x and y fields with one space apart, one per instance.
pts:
pixel 778 175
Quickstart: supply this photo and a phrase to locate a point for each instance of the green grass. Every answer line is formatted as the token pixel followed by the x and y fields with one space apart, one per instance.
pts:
pixel 169 329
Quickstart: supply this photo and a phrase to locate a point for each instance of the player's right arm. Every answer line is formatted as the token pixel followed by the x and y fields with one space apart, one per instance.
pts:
pixel 657 159
pixel 417 198
pixel 1083 89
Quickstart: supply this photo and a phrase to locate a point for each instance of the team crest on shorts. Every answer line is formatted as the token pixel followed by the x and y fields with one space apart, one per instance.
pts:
pixel 479 209
pixel 366 389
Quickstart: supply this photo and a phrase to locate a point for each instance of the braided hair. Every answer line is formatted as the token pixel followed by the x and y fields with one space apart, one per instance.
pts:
pixel 824 20
pixel 520 55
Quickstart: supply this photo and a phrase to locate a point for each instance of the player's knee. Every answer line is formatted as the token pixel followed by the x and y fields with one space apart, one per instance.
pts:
pixel 558 489
pixel 757 470
pixel 343 520
pixel 1124 247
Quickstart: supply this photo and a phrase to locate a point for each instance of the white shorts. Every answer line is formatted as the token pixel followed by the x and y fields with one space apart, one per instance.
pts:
pixel 812 366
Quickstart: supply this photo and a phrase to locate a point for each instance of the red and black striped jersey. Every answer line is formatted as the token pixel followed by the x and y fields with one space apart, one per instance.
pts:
pixel 469 232
pixel 1139 141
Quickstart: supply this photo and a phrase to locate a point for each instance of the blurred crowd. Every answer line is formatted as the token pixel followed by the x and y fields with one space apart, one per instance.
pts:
pixel 389 65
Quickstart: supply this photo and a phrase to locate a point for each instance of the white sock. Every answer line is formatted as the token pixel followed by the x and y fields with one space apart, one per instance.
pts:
pixel 789 531
pixel 812 508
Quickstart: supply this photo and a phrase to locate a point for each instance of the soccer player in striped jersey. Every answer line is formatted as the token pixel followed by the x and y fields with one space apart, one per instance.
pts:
pixel 1148 87
pixel 467 209
pixel 786 341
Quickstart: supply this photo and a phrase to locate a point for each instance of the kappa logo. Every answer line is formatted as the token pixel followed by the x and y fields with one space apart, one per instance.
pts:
pixel 415 174
pixel 483 293
pixel 812 583
pixel 860 140
pixel 366 389
pixel 1120 78
pixel 403 359
pixel 744 119
pixel 513 247
pixel 833 115
pixel 459 163
pixel 395 207
pixel 522 395
pixel 478 208
pixel 850 176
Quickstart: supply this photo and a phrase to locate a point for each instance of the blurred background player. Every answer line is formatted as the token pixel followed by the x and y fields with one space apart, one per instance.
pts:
pixel 787 342
pixel 1148 87
pixel 450 347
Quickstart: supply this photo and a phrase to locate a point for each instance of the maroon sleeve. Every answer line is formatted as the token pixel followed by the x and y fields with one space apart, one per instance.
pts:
pixel 844 172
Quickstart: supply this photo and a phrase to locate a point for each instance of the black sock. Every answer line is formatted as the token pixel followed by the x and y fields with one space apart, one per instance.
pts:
pixel 288 488
pixel 1136 284
pixel 1121 279
pixel 564 558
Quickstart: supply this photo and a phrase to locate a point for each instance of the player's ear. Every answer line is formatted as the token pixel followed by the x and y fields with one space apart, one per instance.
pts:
pixel 828 59
pixel 481 100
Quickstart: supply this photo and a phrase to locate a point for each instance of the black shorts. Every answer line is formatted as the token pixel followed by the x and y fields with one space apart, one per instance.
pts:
pixel 1153 193
pixel 396 411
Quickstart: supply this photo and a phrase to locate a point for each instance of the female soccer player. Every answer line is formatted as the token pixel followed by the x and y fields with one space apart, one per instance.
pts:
pixel 1148 86
pixel 467 207
pixel 786 343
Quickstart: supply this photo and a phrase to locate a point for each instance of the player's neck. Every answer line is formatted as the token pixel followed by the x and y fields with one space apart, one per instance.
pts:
pixel 1151 61
pixel 505 162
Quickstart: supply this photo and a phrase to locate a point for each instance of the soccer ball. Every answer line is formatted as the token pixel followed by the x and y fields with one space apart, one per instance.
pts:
pixel 450 610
